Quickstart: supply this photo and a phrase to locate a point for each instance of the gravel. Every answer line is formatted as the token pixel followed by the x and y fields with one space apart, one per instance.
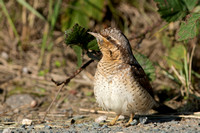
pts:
pixel 138 126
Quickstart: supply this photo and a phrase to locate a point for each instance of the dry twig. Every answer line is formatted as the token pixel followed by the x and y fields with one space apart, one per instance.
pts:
pixel 65 82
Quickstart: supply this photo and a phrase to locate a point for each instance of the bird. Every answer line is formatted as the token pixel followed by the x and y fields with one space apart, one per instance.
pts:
pixel 120 83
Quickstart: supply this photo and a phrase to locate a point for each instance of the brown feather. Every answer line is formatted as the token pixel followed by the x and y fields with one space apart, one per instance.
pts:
pixel 141 77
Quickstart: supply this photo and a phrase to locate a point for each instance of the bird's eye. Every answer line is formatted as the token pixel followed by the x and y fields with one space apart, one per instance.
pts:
pixel 108 38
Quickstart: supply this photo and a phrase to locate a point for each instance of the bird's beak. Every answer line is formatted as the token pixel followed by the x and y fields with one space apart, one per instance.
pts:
pixel 96 35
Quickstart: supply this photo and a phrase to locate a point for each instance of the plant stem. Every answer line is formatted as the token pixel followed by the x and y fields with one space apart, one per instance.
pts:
pixel 190 62
pixel 186 75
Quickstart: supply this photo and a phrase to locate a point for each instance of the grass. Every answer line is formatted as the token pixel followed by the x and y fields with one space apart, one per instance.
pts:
pixel 49 28
pixel 5 11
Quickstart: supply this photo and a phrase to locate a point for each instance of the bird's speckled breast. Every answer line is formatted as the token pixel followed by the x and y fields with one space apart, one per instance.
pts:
pixel 116 89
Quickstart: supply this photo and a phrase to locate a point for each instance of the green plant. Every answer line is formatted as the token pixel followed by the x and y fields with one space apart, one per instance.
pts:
pixel 186 11
pixel 179 58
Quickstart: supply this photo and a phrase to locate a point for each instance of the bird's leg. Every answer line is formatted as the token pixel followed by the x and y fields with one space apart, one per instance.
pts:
pixel 130 120
pixel 113 121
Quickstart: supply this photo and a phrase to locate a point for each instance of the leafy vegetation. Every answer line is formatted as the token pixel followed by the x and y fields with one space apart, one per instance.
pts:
pixel 179 59
pixel 173 10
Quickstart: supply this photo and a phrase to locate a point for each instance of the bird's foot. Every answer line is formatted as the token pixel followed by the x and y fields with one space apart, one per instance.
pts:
pixel 127 124
pixel 130 120
pixel 113 121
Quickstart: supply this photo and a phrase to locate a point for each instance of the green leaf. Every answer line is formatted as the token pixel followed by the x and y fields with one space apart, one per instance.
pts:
pixel 78 51
pixel 79 39
pixel 190 4
pixel 172 10
pixel 147 65
pixel 190 28
pixel 78 36
pixel 176 56
pixel 92 45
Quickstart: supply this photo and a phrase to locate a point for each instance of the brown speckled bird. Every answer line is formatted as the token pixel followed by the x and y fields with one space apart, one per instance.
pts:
pixel 120 84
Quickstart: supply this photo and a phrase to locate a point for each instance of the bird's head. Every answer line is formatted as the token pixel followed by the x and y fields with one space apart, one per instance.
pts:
pixel 114 45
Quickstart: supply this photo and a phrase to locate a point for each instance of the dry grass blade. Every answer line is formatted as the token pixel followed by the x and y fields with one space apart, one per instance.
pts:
pixel 182 79
pixel 96 111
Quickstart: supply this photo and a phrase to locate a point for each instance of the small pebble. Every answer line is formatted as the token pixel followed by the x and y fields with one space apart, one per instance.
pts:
pixel 104 126
pixel 30 127
pixel 26 122
pixel 95 125
pixel 143 120
pixel 78 117
pixel 25 70
pixel 174 122
pixel 16 111
pixel 47 127
pixel 134 122
pixel 33 103
pixel 121 117
pixel 156 130
pixel 7 130
pixel 4 55
pixel 101 119
pixel 163 132
pixel 79 125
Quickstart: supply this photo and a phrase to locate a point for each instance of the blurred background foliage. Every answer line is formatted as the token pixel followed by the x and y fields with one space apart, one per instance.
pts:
pixel 164 35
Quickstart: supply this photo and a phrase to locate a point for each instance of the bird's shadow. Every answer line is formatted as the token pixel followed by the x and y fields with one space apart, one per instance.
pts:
pixel 145 119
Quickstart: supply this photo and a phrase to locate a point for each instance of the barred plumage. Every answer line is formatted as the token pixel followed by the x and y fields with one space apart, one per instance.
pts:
pixel 120 82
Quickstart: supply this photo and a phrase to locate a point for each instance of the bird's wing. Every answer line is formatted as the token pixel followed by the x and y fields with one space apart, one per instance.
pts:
pixel 141 77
